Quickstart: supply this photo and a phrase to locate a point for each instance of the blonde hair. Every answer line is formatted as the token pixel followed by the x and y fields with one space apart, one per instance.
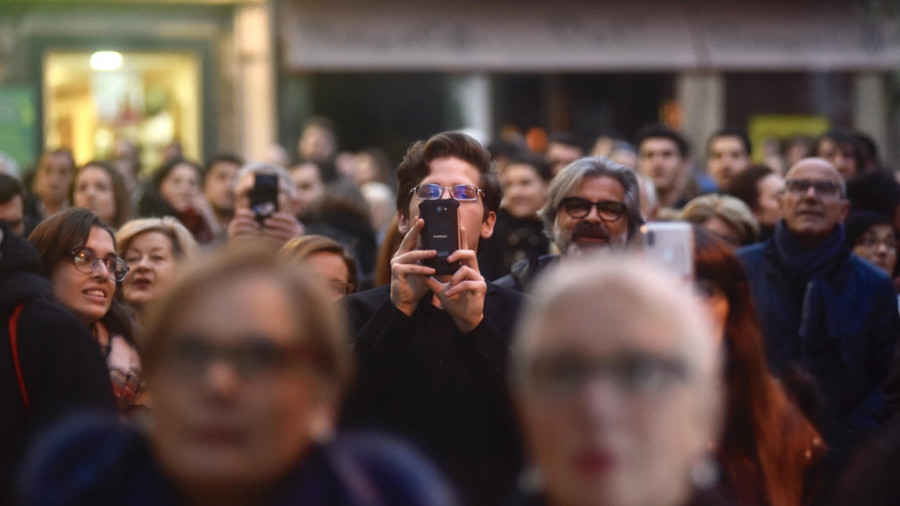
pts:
pixel 303 247
pixel 184 246
pixel 731 210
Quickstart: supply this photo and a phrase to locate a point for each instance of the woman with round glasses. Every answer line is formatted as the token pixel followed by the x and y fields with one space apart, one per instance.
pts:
pixel 78 254
pixel 247 361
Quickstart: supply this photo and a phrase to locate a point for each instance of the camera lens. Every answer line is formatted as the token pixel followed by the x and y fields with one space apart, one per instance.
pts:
pixel 440 209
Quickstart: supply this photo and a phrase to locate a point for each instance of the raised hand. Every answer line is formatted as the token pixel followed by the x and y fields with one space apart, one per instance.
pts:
pixel 408 277
pixel 463 296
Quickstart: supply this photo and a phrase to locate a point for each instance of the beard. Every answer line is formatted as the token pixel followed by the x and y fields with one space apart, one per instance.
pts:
pixel 586 237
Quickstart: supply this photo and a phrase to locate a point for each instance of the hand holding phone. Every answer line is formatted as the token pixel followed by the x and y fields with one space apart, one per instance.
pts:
pixel 671 244
pixel 264 196
pixel 441 233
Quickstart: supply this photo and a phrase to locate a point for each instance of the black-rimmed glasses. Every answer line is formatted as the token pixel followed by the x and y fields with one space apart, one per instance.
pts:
pixel 607 210
pixel 433 191
pixel 86 262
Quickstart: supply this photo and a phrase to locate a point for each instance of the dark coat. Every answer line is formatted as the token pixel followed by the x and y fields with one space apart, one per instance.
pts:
pixel 421 379
pixel 61 364
pixel 844 337
pixel 514 239
pixel 524 272
pixel 102 462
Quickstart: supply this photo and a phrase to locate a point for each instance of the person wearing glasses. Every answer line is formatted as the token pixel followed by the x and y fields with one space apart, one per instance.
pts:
pixel 247 361
pixel 824 310
pixel 592 205
pixel 432 349
pixel 78 253
pixel 617 377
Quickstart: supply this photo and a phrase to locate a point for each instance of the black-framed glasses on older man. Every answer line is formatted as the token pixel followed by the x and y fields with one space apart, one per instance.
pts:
pixel 86 262
pixel 433 191
pixel 607 210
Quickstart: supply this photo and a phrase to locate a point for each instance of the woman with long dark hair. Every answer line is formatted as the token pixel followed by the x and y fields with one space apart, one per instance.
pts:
pixel 768 447
pixel 78 255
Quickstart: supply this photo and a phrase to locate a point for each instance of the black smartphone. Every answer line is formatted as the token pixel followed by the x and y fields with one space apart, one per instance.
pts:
pixel 441 233
pixel 264 196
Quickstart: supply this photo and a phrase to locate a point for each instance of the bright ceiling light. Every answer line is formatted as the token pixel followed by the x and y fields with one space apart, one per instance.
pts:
pixel 106 60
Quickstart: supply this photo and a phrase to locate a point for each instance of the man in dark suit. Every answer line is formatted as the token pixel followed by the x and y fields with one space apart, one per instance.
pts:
pixel 432 349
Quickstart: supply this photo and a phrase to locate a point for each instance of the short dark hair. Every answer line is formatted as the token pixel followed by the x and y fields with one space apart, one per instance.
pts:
pixel 159 174
pixel 848 141
pixel 538 162
pixel 222 158
pixel 745 185
pixel 10 187
pixel 740 134
pixel 656 131
pixel 416 166
pixel 565 138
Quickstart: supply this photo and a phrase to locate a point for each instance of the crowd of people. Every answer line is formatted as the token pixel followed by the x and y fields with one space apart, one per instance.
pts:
pixel 274 332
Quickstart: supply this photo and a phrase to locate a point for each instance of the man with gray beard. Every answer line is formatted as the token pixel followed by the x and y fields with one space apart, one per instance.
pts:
pixel 592 205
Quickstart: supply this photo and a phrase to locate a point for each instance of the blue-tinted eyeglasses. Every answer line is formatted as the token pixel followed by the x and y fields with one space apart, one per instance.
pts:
pixel 432 191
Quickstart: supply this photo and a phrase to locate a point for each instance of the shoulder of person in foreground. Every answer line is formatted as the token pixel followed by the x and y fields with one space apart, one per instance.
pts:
pixel 82 460
pixel 384 471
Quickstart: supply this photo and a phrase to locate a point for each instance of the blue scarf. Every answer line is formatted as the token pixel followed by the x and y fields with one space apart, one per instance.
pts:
pixel 802 263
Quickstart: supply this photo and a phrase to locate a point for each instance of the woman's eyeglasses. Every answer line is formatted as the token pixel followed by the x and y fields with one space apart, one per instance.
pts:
pixel 86 262
pixel 432 191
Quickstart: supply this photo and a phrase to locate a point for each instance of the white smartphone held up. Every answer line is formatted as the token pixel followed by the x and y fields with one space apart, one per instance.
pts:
pixel 670 243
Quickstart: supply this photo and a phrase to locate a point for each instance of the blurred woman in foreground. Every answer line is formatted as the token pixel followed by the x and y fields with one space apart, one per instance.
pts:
pixel 768 448
pixel 247 361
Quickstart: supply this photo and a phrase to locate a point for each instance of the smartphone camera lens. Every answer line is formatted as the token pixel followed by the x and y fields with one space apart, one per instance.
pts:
pixel 440 209
pixel 651 239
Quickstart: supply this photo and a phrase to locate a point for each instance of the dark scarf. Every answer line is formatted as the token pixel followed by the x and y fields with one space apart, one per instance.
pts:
pixel 802 263
pixel 810 270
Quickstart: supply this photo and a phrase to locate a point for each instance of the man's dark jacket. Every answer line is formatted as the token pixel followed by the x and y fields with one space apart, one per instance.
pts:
pixel 61 364
pixel 843 333
pixel 524 272
pixel 421 379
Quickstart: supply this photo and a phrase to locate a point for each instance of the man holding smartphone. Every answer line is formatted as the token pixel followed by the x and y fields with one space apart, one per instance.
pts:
pixel 432 348
pixel 279 226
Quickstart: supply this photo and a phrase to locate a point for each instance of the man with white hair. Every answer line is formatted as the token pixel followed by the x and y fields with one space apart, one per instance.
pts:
pixel 616 374
pixel 592 205
pixel 282 225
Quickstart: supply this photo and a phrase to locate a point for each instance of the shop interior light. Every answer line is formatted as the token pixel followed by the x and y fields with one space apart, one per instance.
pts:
pixel 106 60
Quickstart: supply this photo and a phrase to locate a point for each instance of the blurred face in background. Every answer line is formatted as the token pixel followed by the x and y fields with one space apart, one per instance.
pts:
pixel 94 190
pixel 217 186
pixel 237 397
pixel 333 271
pixel 53 178
pixel 524 192
pixel 839 156
pixel 151 257
pixel 560 155
pixel 878 245
pixel 660 160
pixel 768 210
pixel 726 159
pixel 180 187
pixel 13 213
pixel 308 180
